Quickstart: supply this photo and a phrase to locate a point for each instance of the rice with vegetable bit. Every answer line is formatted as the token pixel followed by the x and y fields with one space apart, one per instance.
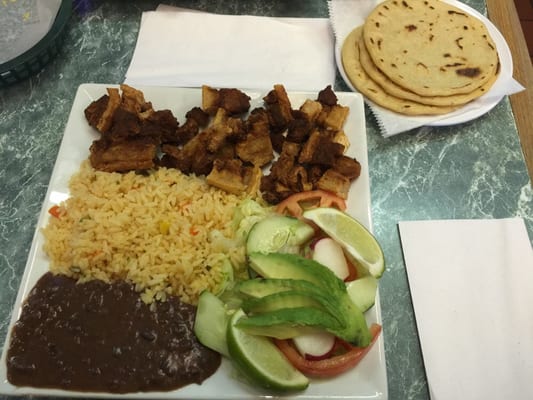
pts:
pixel 166 232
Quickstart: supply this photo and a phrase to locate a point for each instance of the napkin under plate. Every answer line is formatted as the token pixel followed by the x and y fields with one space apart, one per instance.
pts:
pixel 186 48
pixel 471 283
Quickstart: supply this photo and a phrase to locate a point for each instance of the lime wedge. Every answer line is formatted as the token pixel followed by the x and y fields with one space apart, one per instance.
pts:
pixel 261 361
pixel 351 235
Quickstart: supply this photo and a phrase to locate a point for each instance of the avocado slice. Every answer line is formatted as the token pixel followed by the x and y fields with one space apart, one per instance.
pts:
pixel 336 312
pixel 291 299
pixel 260 287
pixel 287 323
pixel 356 330
pixel 292 266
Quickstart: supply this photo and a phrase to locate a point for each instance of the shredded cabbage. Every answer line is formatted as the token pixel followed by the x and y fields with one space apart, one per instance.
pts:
pixel 247 215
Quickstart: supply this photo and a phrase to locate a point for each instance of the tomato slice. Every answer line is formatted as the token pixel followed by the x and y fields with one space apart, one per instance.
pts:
pixel 331 366
pixel 295 204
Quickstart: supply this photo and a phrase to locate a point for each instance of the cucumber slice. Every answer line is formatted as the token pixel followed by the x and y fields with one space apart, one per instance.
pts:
pixel 210 324
pixel 362 292
pixel 278 234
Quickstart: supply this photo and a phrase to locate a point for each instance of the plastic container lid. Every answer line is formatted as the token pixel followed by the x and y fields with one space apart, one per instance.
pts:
pixel 33 60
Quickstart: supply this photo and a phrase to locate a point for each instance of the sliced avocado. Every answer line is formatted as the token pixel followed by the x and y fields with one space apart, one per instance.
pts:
pixel 278 234
pixel 291 266
pixel 291 299
pixel 280 331
pixel 276 301
pixel 286 323
pixel 260 287
pixel 356 330
pixel 353 327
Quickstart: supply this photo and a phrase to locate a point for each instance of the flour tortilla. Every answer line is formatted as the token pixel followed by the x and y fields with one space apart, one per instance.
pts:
pixel 430 47
pixel 393 89
pixel 360 79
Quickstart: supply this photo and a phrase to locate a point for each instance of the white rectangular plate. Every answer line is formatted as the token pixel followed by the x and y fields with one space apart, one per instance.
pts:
pixel 368 380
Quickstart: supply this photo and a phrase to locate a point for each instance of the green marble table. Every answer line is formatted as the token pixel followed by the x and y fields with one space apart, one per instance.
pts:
pixel 474 170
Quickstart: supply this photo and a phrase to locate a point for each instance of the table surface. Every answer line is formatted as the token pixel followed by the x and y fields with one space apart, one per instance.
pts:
pixel 504 15
pixel 473 170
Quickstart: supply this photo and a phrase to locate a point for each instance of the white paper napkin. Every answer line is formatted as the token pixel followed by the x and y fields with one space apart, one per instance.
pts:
pixel 471 284
pixel 345 15
pixel 178 47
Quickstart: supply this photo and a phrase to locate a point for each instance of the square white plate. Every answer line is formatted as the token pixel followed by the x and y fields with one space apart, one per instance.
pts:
pixel 368 380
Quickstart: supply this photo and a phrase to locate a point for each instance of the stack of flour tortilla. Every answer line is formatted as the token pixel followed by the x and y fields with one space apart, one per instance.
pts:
pixel 420 57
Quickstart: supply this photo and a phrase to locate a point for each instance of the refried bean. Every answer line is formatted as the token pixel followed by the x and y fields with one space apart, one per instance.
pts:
pixel 101 337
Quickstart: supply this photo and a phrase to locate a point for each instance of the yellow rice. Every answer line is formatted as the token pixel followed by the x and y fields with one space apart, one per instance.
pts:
pixel 155 231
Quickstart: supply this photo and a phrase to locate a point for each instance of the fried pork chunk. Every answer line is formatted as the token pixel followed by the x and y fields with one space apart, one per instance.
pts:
pixel 348 167
pixel 95 110
pixel 131 130
pixel 256 147
pixel 234 177
pixel 320 149
pixel 333 115
pixel 224 129
pixel 333 181
pixel 233 101
pixel 312 109
pixel 122 156
pixel 300 127
pixel 279 108
pixel 327 96
pixel 133 100
pixel 216 141
pixel 312 151
pixel 192 158
pixel 100 113
pixel 161 125
pixel 226 143
pixel 196 118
